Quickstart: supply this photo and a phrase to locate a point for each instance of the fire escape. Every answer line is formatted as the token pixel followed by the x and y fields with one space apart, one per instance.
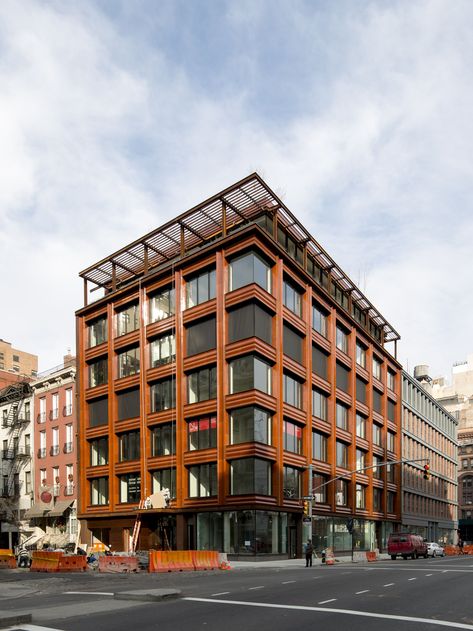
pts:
pixel 15 420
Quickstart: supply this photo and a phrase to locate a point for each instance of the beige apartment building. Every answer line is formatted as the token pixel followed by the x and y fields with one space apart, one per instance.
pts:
pixel 15 363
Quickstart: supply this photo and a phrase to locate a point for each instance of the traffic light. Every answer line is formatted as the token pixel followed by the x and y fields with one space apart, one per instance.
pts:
pixel 350 525
pixel 426 472
pixel 306 507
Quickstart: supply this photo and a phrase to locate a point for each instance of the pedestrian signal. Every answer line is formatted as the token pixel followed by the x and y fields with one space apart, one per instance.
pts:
pixel 426 472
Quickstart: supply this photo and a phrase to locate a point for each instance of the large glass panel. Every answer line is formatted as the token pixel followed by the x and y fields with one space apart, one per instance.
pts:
pixel 249 372
pixel 292 391
pixel 163 440
pixel 250 476
pixel 319 320
pixel 250 424
pixel 343 377
pixel 250 320
pixel 98 373
pixel 360 493
pixel 319 404
pixel 129 446
pixel 129 362
pixel 128 404
pixel 342 416
pixel 361 355
pixel 99 451
pixel 292 298
pixel 98 412
pixel 377 401
pixel 341 493
pixel 202 433
pixel 98 332
pixel 319 446
pixel 165 480
pixel 128 319
pixel 162 305
pixel 202 385
pixel 249 268
pixel 163 350
pixel 99 491
pixel 201 336
pixel 200 288
pixel 342 455
pixel 292 437
pixel 130 487
pixel 292 483
pixel 360 426
pixel 292 344
pixel 319 488
pixel 319 362
pixel 203 480
pixel 360 390
pixel 342 339
pixel 163 395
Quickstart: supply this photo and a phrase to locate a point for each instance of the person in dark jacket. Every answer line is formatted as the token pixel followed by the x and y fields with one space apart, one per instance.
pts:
pixel 309 552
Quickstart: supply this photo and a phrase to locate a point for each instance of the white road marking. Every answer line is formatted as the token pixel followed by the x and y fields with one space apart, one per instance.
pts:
pixel 411 579
pixel 330 600
pixel 287 582
pixel 316 577
pixel 388 584
pixel 92 593
pixel 259 587
pixel 31 627
pixel 348 612
pixel 220 594
pixel 363 591
pixel 429 574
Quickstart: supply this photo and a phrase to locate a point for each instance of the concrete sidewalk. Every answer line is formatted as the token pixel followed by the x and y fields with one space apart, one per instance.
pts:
pixel 289 563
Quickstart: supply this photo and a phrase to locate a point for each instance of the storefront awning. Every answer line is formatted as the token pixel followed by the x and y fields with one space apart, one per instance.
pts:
pixel 59 508
pixel 38 510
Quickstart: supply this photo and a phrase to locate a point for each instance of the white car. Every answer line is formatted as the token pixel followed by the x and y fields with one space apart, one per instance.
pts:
pixel 434 550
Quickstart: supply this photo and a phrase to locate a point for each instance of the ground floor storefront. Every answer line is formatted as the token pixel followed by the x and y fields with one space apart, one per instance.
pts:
pixel 239 533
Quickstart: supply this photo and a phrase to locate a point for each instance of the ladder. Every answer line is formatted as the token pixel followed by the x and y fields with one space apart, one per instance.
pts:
pixel 136 528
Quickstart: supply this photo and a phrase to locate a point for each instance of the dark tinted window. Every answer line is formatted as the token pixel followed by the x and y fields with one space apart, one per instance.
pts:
pixel 250 320
pixel 98 412
pixel 128 404
pixel 377 401
pixel 201 336
pixel 292 343
pixel 343 377
pixel 319 362
pixel 360 390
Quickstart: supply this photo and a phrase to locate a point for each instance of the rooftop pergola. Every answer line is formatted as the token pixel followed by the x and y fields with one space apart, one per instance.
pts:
pixel 214 218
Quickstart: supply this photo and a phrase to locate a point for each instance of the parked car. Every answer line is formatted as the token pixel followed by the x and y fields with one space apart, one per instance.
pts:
pixel 406 544
pixel 434 550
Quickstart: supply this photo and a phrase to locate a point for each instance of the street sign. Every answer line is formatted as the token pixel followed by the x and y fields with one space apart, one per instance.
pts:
pixel 306 520
pixel 308 497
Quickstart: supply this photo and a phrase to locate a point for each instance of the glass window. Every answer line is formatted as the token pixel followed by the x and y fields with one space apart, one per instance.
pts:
pixel 99 491
pixel 319 488
pixel 292 298
pixel 377 435
pixel 342 455
pixel 130 487
pixel 360 496
pixel 250 424
pixel 128 362
pixel 248 373
pixel 98 331
pixel 319 362
pixel 377 368
pixel 98 372
pixel 200 288
pixel 360 426
pixel 390 473
pixel 165 480
pixel 360 459
pixel 343 377
pixel 377 468
pixel 163 350
pixel 249 268
pixel 163 395
pixel 98 412
pixel 201 336
pixel 163 440
pixel 250 476
pixel 128 404
pixel 292 436
pixel 291 483
pixel 99 451
pixel 391 441
pixel 377 499
pixel 391 500
pixel 391 410
pixel 319 404
pixel 319 446
pixel 377 401
pixel 360 390
pixel 292 344
pixel 202 433
pixel 292 391
pixel 391 380
pixel 342 339
pixel 342 416
pixel 203 480
pixel 162 305
pixel 341 493
pixel 250 320
pixel 129 446
pixel 319 320
pixel 128 319
pixel 202 385
pixel 360 355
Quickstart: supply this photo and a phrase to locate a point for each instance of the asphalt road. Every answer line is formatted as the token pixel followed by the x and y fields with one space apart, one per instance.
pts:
pixel 392 595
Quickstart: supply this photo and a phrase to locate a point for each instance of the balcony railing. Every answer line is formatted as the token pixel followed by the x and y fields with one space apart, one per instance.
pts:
pixel 67 410
pixel 42 452
pixel 41 418
pixel 67 448
pixel 54 451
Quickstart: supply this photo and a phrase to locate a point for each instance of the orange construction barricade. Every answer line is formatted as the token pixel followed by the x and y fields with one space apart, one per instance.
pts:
pixel 371 556
pixel 118 564
pixel 205 560
pixel 45 561
pixel 7 559
pixel 170 561
pixel 72 563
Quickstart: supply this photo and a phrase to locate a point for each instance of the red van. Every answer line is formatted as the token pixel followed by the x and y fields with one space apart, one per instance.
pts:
pixel 406 544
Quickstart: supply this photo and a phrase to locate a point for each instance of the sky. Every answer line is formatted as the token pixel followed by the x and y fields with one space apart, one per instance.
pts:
pixel 115 116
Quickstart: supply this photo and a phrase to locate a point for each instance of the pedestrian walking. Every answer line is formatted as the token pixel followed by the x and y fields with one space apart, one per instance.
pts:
pixel 460 546
pixel 309 552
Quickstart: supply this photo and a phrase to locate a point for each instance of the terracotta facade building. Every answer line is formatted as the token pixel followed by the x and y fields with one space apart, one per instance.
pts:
pixel 232 366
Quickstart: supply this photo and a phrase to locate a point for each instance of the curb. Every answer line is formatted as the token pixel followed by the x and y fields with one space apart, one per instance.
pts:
pixel 10 621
